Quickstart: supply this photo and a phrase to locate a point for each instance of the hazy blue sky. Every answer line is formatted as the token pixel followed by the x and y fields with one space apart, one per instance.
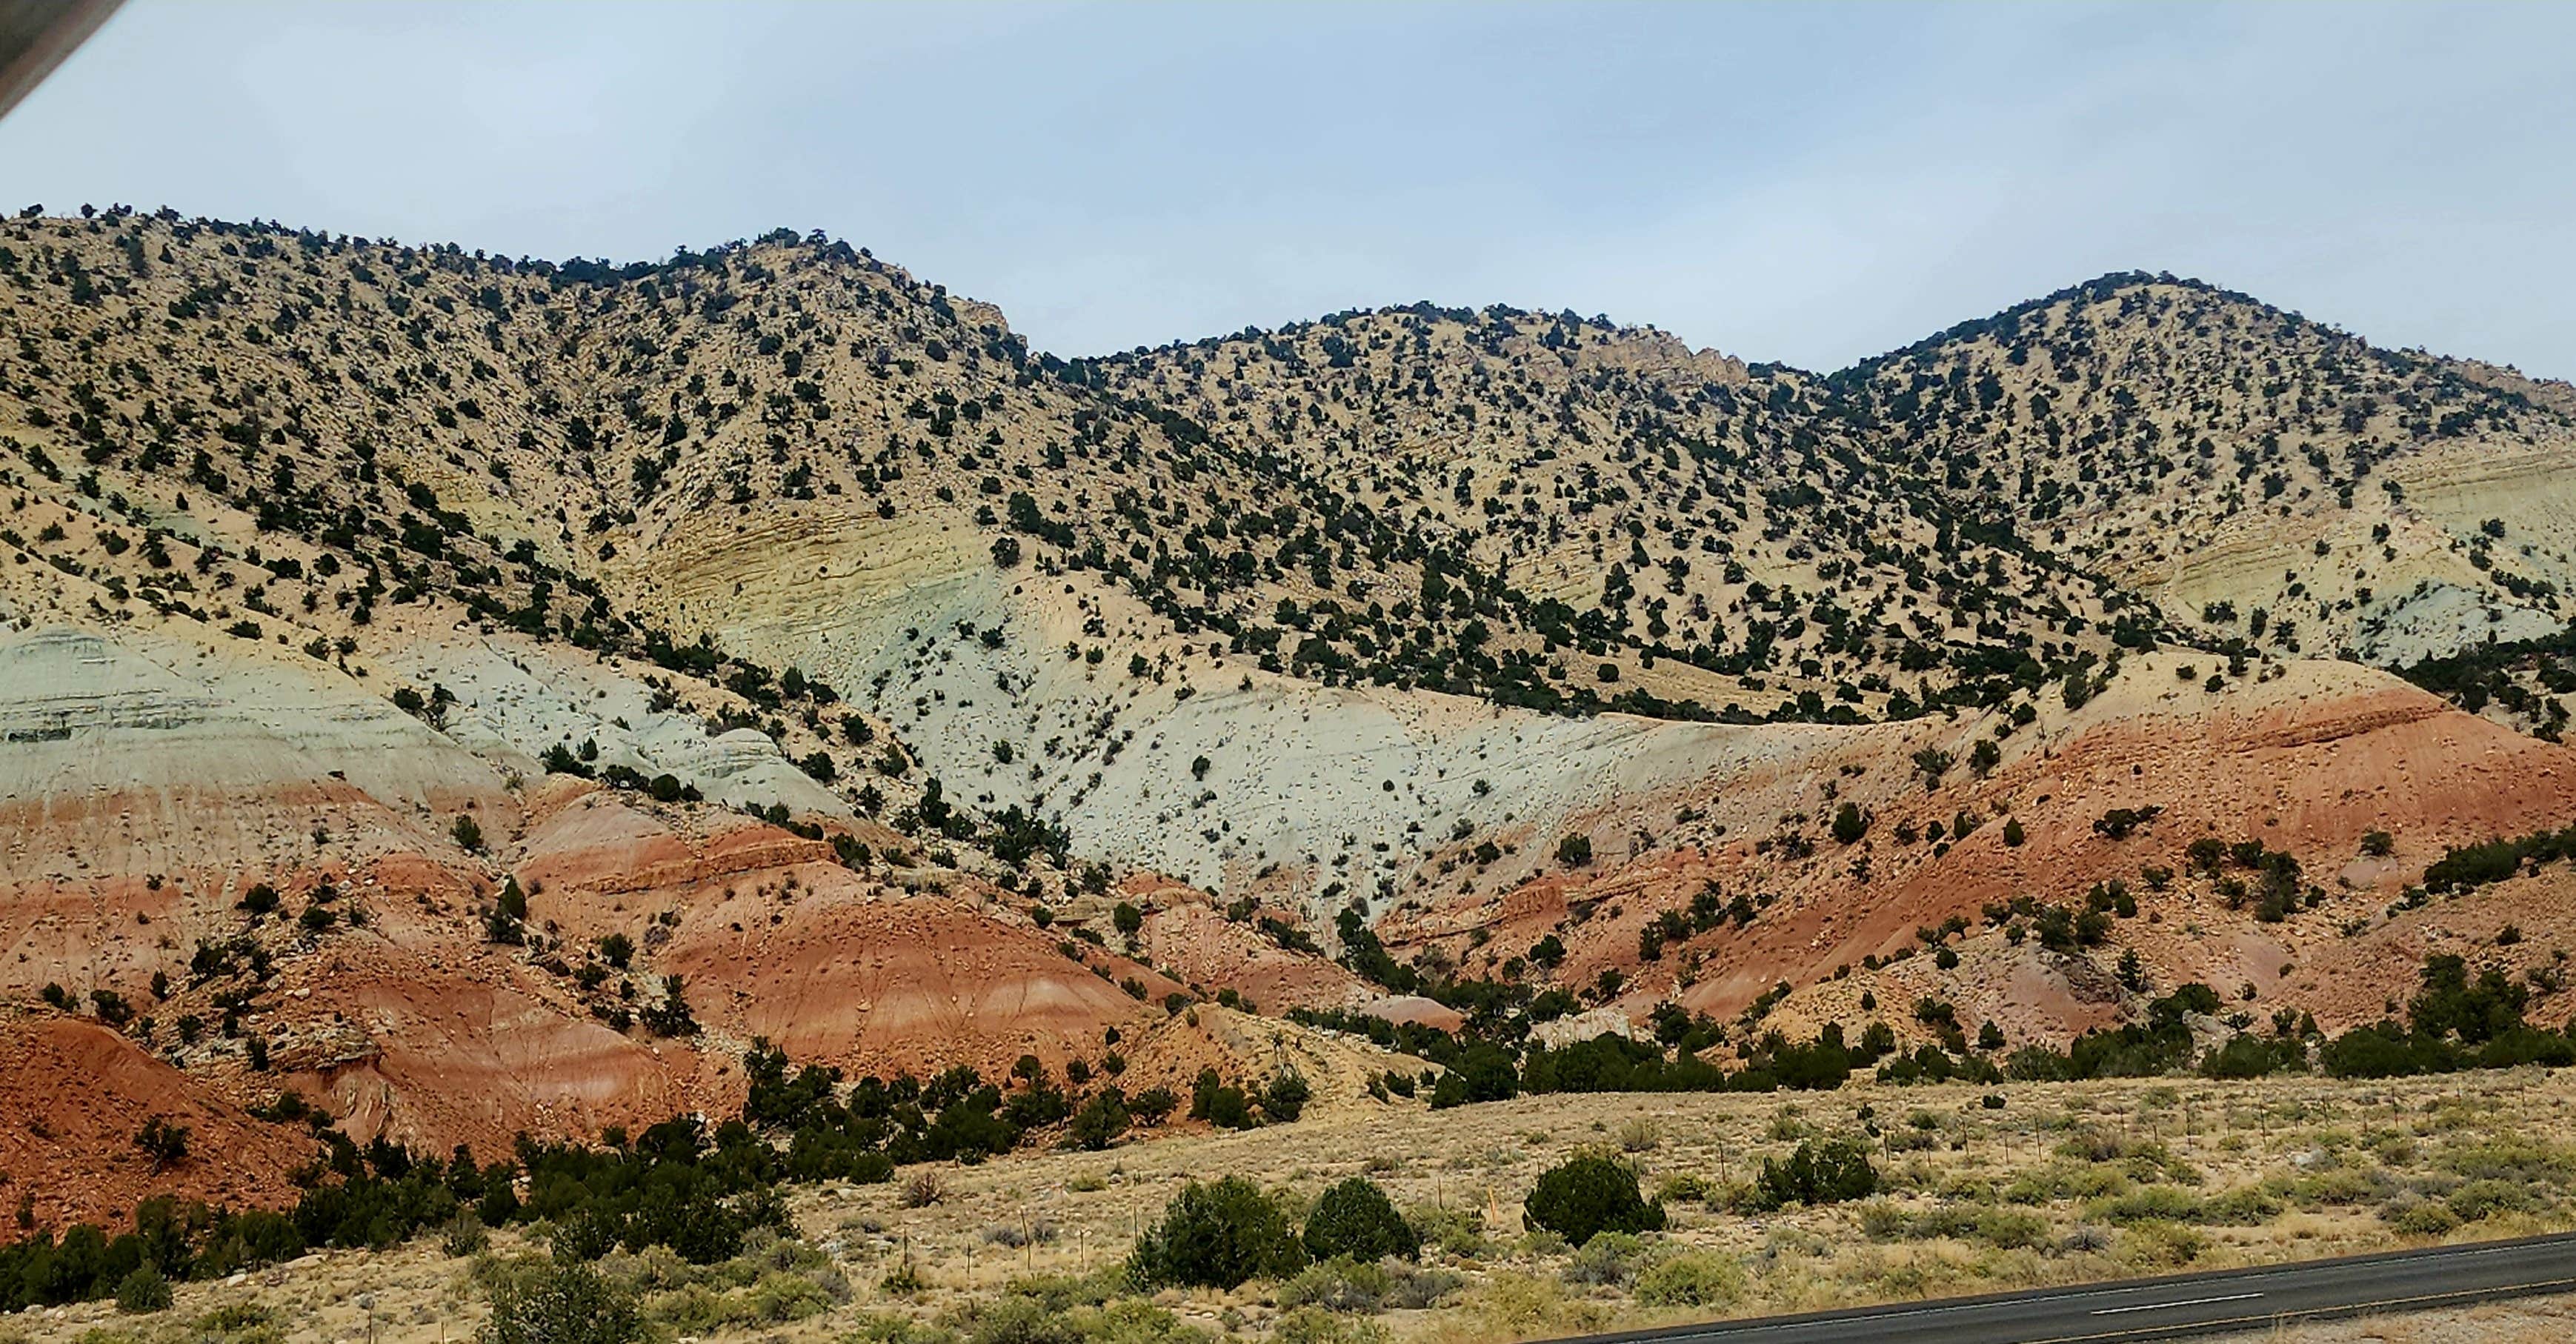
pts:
pixel 1808 183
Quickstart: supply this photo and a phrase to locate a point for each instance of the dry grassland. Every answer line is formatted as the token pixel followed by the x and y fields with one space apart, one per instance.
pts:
pixel 2060 1183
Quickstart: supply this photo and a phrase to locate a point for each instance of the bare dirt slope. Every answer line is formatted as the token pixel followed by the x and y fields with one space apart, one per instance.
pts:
pixel 81 1093
pixel 2307 758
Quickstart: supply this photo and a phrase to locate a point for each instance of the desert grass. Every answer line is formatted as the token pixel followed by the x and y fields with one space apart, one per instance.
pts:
pixel 1982 1189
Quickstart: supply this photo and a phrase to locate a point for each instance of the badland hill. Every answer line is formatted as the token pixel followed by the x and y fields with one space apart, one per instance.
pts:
pixel 481 696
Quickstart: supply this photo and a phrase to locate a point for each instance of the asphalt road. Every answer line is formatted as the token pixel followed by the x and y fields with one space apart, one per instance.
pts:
pixel 2177 1307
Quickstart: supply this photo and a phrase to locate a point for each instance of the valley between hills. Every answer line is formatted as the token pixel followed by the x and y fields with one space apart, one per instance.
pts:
pixel 460 713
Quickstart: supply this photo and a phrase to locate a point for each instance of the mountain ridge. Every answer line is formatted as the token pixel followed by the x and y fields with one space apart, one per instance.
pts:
pixel 789 633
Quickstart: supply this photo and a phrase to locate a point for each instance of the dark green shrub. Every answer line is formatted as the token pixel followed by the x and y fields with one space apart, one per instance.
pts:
pixel 1826 1173
pixel 1286 1097
pixel 165 1143
pixel 1482 1073
pixel 1100 1121
pixel 464 1236
pixel 1225 1107
pixel 1588 1195
pixel 2451 1004
pixel 2246 1055
pixel 2384 1050
pixel 587 1233
pixel 2120 822
pixel 142 1292
pixel 1217 1235
pixel 2525 1045
pixel 1154 1105
pixel 1356 1219
pixel 1849 824
pixel 560 1304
